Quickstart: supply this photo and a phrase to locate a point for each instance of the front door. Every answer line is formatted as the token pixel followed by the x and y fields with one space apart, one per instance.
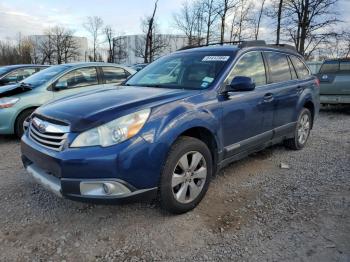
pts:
pixel 247 115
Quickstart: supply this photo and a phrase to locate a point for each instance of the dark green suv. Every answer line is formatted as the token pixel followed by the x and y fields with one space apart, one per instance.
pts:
pixel 334 76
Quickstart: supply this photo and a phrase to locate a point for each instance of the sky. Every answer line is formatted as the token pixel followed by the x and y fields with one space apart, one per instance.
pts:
pixel 33 16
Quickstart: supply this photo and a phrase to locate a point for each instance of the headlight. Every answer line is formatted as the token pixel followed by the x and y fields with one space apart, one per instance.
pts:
pixel 113 132
pixel 7 102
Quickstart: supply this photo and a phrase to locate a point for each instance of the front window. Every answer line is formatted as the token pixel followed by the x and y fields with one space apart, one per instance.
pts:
pixel 250 65
pixel 18 75
pixel 78 78
pixel 183 71
pixel 44 75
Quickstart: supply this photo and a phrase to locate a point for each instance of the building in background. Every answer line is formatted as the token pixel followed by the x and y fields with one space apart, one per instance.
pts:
pixel 45 51
pixel 129 49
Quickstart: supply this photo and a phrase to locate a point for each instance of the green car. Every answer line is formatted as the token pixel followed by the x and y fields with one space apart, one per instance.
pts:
pixel 334 76
pixel 18 101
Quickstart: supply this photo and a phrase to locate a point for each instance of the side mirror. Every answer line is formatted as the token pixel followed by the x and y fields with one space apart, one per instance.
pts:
pixel 240 83
pixel 58 86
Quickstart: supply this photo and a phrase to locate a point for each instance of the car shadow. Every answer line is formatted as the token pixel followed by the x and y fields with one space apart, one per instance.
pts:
pixel 8 138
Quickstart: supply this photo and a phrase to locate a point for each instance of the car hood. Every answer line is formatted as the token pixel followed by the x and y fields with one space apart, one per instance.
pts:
pixel 14 89
pixel 91 109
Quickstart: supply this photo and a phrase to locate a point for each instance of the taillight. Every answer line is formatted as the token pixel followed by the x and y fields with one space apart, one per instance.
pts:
pixel 317 82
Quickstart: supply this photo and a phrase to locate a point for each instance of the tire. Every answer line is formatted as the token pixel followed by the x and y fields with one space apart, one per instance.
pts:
pixel 19 129
pixel 182 188
pixel 302 129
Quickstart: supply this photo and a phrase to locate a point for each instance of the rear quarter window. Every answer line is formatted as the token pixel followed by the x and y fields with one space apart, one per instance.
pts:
pixel 344 66
pixel 329 67
pixel 302 71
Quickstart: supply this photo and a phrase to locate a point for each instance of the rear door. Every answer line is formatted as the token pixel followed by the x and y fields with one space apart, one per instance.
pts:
pixel 247 116
pixel 285 89
pixel 77 81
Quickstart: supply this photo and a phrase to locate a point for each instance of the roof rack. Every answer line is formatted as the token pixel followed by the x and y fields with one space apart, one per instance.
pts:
pixel 286 46
pixel 242 44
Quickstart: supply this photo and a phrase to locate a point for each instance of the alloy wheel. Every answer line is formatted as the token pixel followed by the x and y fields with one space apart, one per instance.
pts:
pixel 189 177
pixel 303 129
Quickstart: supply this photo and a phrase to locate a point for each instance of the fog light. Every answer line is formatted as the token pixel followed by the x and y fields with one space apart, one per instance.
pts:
pixel 109 188
pixel 103 188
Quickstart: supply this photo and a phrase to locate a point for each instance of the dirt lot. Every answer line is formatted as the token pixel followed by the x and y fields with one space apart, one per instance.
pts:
pixel 254 211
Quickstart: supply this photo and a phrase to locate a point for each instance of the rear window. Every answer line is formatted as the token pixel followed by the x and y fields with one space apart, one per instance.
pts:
pixel 279 67
pixel 330 67
pixel 300 67
pixel 344 66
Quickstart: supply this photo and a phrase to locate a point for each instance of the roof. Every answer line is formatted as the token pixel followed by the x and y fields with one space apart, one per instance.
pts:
pixel 24 65
pixel 86 64
pixel 77 64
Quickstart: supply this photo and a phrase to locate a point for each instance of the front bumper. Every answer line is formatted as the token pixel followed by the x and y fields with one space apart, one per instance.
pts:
pixel 126 166
pixel 70 188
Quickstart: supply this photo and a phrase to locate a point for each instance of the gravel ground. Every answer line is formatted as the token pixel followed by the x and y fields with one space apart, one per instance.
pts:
pixel 254 211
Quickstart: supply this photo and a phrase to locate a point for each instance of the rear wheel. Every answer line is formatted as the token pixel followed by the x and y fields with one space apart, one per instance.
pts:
pixel 302 131
pixel 19 124
pixel 186 175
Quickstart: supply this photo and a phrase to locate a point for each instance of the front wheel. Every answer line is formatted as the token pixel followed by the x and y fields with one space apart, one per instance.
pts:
pixel 19 124
pixel 186 175
pixel 302 131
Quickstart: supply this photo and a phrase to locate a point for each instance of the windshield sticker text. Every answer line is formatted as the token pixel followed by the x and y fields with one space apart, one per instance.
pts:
pixel 215 58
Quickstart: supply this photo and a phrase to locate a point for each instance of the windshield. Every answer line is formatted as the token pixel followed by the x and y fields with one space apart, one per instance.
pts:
pixel 44 75
pixel 184 71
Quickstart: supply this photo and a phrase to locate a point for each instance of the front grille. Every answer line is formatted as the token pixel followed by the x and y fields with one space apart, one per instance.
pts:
pixel 48 135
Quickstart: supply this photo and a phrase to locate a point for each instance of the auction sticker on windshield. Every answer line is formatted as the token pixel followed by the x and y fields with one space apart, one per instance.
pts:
pixel 215 58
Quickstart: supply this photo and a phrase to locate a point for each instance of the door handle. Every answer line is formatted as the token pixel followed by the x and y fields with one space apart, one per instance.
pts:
pixel 300 89
pixel 268 97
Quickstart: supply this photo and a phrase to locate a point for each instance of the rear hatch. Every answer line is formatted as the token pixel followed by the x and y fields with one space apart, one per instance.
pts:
pixel 334 76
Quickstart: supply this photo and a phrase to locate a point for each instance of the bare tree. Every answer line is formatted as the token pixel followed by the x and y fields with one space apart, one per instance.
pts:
pixel 69 47
pixel 109 33
pixel 258 19
pixel 18 52
pixel 210 12
pixel 94 27
pixel 149 23
pixel 186 20
pixel 160 42
pixel 119 50
pixel 56 46
pixel 241 22
pixel 226 6
pixel 279 16
pixel 309 23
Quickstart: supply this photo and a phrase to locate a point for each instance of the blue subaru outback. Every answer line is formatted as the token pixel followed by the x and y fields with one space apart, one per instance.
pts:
pixel 171 126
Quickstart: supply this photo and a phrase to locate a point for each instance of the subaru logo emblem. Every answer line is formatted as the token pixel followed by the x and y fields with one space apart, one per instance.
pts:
pixel 42 127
